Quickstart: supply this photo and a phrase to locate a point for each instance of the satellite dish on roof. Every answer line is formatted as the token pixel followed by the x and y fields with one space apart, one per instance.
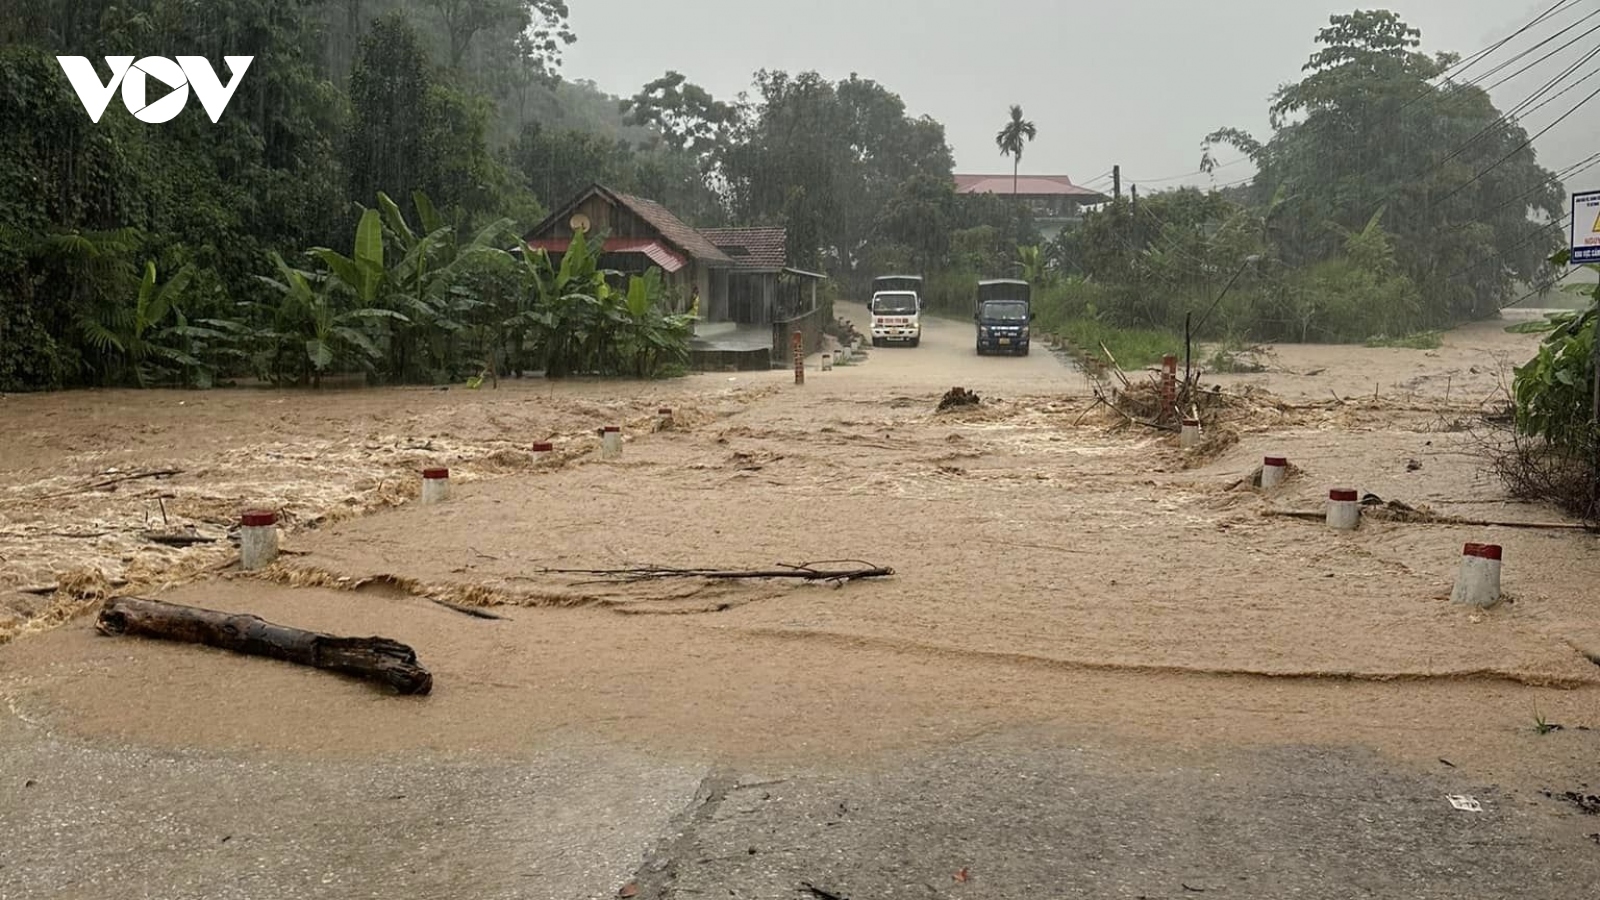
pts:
pixel 579 222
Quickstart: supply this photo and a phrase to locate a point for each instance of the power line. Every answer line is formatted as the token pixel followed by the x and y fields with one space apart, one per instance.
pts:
pixel 1540 290
pixel 1521 147
pixel 1500 253
pixel 1520 108
pixel 1568 89
pixel 1168 178
pixel 1542 58
pixel 1474 59
pixel 1508 63
pixel 1478 57
pixel 1577 168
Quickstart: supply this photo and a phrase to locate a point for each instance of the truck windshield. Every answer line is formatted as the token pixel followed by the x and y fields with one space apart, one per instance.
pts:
pixel 894 304
pixel 1005 311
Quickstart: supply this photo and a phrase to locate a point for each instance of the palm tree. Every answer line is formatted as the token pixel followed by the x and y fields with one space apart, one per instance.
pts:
pixel 1012 138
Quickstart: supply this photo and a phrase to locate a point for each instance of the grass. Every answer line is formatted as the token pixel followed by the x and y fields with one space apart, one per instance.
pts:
pixel 1421 340
pixel 1133 347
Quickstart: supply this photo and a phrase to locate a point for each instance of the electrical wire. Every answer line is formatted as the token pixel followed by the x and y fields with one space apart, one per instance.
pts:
pixel 1478 57
pixel 1577 168
pixel 1521 147
pixel 1520 109
pixel 1503 66
pixel 1539 291
pixel 1475 58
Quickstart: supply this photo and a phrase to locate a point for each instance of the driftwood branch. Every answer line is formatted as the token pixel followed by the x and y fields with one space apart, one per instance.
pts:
pixel 803 572
pixel 177 540
pixel 45 590
pixel 473 611
pixel 372 658
pixel 113 482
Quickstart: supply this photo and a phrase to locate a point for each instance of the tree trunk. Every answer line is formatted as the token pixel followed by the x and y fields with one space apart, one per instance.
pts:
pixel 372 658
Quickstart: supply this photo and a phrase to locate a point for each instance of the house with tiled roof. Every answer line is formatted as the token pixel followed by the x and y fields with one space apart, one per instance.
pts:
pixel 751 299
pixel 639 234
pixel 1055 200
pixel 763 288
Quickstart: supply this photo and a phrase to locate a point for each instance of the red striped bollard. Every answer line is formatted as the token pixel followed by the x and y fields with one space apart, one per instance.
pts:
pixel 1169 387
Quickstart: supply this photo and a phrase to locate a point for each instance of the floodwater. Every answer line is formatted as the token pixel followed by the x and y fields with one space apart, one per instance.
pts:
pixel 1054 568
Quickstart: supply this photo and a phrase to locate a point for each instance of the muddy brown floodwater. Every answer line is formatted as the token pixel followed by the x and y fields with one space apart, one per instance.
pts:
pixel 1052 565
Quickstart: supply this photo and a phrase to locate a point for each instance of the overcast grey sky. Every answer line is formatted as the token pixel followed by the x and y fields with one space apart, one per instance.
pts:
pixel 1135 82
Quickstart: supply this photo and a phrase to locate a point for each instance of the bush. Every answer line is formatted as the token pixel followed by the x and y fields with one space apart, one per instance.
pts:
pixel 1133 348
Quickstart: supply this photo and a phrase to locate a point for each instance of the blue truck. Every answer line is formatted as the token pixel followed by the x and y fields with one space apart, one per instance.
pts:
pixel 1004 314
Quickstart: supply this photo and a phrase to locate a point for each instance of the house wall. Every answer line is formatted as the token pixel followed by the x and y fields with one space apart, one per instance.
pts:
pixel 604 217
pixel 749 297
pixel 810 325
pixel 619 222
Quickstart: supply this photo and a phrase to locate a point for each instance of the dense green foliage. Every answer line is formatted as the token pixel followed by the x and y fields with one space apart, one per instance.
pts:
pixel 1390 200
pixel 1383 205
pixel 350 101
pixel 1555 390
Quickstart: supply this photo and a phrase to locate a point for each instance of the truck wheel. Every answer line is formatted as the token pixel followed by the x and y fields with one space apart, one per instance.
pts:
pixel 916 340
pixel 1025 350
pixel 877 343
pixel 980 349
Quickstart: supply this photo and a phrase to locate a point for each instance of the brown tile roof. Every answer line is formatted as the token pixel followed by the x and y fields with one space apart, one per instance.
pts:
pixel 1028 185
pixel 673 229
pixel 760 249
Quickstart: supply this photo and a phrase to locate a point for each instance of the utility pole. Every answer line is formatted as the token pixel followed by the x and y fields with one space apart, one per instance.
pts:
pixel 1138 234
pixel 1116 182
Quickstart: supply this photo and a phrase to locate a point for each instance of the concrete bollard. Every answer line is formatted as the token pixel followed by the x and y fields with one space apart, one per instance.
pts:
pixel 1273 470
pixel 1189 438
pixel 1169 387
pixel 827 362
pixel 1478 582
pixel 1344 509
pixel 543 452
pixel 435 485
pixel 611 442
pixel 258 538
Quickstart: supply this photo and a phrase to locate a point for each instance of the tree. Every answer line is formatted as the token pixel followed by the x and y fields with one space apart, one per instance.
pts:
pixel 686 114
pixel 543 23
pixel 825 158
pixel 387 149
pixel 1367 127
pixel 920 216
pixel 1011 140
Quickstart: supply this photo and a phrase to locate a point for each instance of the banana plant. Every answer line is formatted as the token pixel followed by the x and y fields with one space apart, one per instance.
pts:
pixel 432 264
pixel 566 313
pixel 651 338
pixel 309 317
pixel 137 332
pixel 363 275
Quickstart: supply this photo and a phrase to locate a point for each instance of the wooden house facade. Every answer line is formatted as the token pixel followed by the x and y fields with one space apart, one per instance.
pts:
pixel 762 287
pixel 640 235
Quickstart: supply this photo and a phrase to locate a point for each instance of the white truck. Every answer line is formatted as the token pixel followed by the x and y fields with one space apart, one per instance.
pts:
pixel 896 308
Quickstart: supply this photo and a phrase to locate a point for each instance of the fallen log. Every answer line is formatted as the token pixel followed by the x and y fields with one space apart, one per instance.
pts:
pixel 371 658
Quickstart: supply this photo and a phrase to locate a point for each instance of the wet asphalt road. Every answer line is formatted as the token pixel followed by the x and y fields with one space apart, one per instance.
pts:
pixel 1031 813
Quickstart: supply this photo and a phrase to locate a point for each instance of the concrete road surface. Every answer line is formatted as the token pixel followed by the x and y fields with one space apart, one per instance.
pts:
pixel 1028 813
